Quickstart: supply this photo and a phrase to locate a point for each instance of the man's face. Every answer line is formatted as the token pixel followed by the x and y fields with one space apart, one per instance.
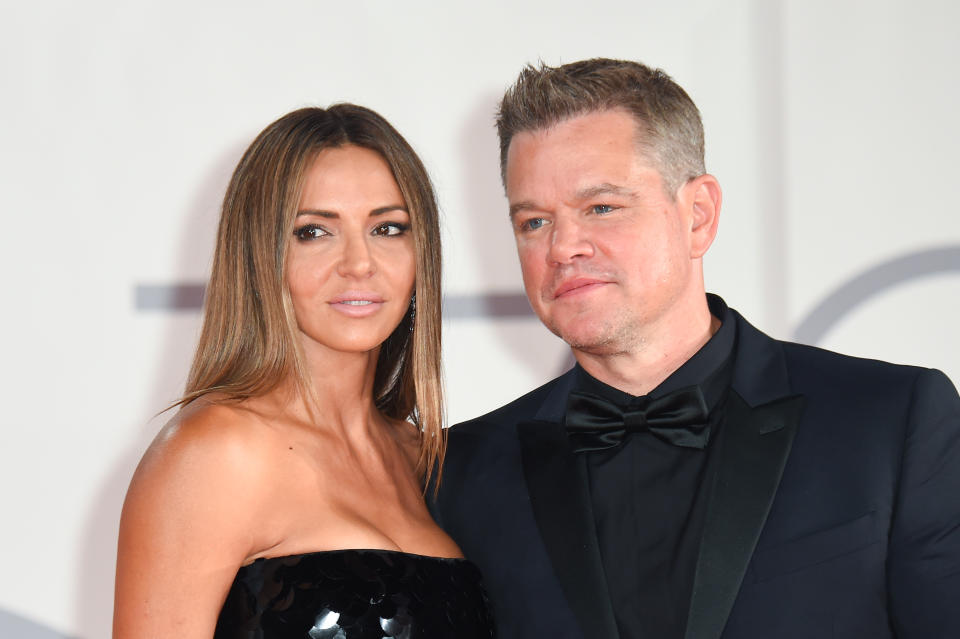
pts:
pixel 606 254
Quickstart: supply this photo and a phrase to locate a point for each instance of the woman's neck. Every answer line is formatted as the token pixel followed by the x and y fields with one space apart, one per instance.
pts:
pixel 339 392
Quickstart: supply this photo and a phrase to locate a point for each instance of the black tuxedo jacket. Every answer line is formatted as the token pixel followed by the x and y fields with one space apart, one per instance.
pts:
pixel 834 507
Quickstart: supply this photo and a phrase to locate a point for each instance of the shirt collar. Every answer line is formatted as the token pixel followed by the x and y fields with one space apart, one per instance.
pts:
pixel 710 367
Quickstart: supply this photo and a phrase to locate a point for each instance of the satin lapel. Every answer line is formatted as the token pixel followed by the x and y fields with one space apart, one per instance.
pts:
pixel 559 497
pixel 753 447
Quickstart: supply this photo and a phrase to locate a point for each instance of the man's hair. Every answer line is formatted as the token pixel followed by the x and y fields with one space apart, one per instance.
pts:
pixel 669 129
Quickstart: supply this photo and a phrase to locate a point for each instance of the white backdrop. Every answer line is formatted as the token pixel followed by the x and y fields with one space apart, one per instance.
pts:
pixel 831 126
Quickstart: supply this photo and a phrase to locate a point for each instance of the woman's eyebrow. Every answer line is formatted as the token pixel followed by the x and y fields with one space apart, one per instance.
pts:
pixel 333 215
pixel 388 209
pixel 318 213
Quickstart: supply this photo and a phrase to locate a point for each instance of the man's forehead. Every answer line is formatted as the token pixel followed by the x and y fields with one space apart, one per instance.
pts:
pixel 611 131
pixel 579 172
pixel 617 117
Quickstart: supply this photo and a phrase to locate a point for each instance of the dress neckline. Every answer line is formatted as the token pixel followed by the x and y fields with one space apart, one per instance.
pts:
pixel 342 551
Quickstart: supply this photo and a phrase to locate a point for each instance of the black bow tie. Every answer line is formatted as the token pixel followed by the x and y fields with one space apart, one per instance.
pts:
pixel 680 417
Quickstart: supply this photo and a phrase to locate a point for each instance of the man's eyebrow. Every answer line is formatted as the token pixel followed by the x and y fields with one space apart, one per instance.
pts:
pixel 603 189
pixel 524 205
pixel 333 215
pixel 586 193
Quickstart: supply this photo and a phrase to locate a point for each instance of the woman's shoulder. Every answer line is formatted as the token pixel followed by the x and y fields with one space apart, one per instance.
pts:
pixel 209 451
pixel 218 432
pixel 197 508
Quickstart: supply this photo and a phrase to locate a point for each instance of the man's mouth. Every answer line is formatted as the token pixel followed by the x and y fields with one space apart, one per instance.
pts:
pixel 576 286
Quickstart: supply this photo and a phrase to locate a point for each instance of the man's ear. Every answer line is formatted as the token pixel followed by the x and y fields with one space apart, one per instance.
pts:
pixel 702 197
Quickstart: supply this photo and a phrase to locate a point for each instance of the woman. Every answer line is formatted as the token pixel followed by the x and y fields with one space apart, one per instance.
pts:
pixel 286 497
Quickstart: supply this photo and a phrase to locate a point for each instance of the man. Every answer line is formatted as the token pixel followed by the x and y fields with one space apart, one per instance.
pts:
pixel 690 476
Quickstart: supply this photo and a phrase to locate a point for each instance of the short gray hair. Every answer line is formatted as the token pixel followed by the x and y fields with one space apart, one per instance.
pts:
pixel 670 131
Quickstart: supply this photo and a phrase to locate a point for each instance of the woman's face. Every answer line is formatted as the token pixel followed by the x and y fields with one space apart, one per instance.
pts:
pixel 351 263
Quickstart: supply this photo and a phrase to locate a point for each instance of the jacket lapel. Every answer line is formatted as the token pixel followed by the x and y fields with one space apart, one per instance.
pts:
pixel 753 448
pixel 560 500
pixel 745 470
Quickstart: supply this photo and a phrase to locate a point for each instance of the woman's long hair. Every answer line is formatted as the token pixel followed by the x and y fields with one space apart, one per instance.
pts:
pixel 249 341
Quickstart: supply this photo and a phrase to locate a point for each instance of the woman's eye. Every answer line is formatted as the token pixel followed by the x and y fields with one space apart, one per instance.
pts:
pixel 389 229
pixel 601 209
pixel 532 224
pixel 310 232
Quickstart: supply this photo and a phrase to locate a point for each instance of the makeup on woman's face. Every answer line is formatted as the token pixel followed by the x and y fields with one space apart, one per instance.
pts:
pixel 351 263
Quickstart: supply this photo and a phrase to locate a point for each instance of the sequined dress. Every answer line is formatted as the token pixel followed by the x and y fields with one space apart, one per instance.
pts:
pixel 356 594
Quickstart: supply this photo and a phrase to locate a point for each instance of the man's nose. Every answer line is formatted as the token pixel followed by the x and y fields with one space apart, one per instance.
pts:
pixel 569 240
pixel 355 258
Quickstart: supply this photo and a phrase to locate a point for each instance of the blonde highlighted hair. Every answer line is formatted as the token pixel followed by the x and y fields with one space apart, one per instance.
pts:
pixel 249 341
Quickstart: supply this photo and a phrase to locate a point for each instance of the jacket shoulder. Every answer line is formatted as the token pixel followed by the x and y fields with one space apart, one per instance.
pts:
pixel 830 365
pixel 523 408
pixel 812 367
pixel 895 388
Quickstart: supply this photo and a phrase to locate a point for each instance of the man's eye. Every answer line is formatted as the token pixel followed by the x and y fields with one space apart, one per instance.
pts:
pixel 390 229
pixel 601 209
pixel 532 224
pixel 309 232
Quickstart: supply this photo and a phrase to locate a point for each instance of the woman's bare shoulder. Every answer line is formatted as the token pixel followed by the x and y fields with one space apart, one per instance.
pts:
pixel 194 513
pixel 221 435
pixel 210 457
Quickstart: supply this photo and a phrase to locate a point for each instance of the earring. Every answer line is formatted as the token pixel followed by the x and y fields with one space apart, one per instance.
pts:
pixel 413 310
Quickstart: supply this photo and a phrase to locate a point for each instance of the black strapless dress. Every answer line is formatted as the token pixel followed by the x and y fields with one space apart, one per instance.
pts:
pixel 356 594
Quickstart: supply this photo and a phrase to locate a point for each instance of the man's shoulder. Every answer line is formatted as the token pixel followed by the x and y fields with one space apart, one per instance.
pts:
pixel 523 408
pixel 825 360
pixel 821 361
pixel 818 370
pixel 804 360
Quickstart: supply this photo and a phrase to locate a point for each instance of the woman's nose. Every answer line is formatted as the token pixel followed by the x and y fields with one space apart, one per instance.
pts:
pixel 355 260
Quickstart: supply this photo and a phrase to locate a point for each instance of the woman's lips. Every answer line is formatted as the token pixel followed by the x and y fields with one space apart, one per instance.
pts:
pixel 357 304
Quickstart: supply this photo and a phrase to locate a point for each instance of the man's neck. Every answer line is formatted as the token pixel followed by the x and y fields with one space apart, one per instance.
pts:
pixel 641 369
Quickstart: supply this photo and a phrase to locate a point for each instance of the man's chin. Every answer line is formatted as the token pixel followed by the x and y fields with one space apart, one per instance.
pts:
pixel 593 342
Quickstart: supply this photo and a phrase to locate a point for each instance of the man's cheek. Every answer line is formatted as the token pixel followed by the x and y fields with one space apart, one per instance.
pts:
pixel 528 261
